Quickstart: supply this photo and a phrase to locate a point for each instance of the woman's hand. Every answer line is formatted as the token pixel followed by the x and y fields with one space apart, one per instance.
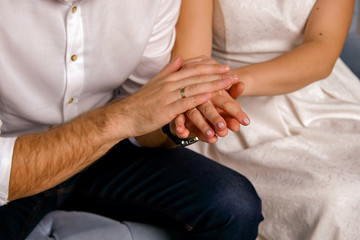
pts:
pixel 172 92
pixel 212 118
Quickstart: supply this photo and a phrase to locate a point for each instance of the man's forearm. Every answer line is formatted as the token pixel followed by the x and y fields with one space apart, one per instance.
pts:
pixel 43 160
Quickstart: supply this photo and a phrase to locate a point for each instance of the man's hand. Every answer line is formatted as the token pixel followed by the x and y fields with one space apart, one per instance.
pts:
pixel 174 91
pixel 43 160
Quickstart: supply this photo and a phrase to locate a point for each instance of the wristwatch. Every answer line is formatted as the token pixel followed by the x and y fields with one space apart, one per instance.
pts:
pixel 177 140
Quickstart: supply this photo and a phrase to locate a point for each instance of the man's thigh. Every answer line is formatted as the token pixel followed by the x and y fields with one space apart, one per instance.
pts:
pixel 19 217
pixel 169 187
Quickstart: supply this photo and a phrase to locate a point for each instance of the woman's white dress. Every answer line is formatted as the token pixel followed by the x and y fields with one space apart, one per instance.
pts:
pixel 301 150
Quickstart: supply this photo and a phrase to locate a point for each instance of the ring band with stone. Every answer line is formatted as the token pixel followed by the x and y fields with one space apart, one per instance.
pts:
pixel 182 92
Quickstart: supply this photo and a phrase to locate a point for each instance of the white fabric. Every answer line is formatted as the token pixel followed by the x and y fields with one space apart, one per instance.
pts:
pixel 6 145
pixel 118 44
pixel 301 150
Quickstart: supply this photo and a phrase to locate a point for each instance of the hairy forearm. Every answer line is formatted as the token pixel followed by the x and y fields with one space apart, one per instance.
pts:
pixel 289 72
pixel 43 160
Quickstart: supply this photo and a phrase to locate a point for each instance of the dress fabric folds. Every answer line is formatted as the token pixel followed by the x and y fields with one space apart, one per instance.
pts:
pixel 301 150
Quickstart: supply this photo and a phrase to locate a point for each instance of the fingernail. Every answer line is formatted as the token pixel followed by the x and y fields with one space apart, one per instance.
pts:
pixel 227 81
pixel 208 132
pixel 207 96
pixel 220 124
pixel 234 77
pixel 178 129
pixel 226 67
pixel 246 121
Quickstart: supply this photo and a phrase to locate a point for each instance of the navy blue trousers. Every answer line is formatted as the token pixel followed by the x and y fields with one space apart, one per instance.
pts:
pixel 174 188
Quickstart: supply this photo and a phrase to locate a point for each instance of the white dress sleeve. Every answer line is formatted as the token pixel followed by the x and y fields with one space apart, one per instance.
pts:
pixel 6 152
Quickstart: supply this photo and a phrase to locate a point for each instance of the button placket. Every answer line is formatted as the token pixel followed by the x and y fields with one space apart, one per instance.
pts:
pixel 74 63
pixel 74 9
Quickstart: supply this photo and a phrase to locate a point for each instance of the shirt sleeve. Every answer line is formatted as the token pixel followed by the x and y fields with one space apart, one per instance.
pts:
pixel 6 152
pixel 158 50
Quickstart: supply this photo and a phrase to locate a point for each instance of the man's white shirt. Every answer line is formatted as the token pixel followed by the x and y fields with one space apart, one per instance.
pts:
pixel 61 58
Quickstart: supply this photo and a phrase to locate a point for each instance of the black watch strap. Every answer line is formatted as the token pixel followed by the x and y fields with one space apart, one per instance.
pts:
pixel 177 140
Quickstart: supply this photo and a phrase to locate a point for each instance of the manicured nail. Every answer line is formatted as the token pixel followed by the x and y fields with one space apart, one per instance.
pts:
pixel 226 67
pixel 246 121
pixel 208 132
pixel 178 129
pixel 227 81
pixel 234 77
pixel 220 124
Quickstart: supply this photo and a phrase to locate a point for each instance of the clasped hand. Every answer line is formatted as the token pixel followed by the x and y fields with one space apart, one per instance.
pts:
pixel 214 117
pixel 162 99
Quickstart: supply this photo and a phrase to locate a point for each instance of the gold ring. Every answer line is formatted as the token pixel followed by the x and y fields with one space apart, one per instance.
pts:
pixel 182 92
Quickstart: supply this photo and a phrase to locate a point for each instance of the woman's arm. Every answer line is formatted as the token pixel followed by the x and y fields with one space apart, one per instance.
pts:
pixel 194 39
pixel 325 35
pixel 194 29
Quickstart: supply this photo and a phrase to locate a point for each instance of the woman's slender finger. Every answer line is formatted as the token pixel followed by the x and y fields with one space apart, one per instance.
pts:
pixel 200 122
pixel 180 129
pixel 195 131
pixel 218 123
pixel 231 107
pixel 232 123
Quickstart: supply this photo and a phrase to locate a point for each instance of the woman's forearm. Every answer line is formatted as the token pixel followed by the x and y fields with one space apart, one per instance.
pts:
pixel 288 72
pixel 194 29
pixel 324 37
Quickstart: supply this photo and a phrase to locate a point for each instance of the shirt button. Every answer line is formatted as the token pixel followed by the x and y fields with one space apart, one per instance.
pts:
pixel 70 100
pixel 73 10
pixel 73 58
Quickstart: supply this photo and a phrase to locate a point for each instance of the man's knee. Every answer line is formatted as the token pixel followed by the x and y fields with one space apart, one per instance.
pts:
pixel 231 210
pixel 241 205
